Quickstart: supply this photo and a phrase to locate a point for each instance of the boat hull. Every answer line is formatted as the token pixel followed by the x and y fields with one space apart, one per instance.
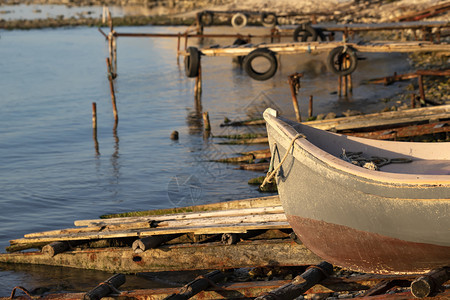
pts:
pixel 360 223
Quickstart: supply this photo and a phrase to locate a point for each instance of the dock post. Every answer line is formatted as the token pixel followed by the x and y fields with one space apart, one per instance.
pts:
pixel 339 86
pixel 294 83
pixel 206 123
pixel 345 62
pixel 198 83
pixel 113 95
pixel 178 48
pixel 421 90
pixel 413 101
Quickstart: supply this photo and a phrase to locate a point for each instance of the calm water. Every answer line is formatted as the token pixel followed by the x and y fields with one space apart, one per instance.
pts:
pixel 50 173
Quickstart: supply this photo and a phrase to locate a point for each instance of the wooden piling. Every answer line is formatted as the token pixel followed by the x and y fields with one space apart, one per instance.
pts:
pixel 294 84
pixel 94 127
pixel 113 94
pixel 413 101
pixel 310 108
pixel 424 286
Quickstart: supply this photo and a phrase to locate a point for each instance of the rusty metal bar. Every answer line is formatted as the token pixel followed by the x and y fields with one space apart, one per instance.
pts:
pixel 174 35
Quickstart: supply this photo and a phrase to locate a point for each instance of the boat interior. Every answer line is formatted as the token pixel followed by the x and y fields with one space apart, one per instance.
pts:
pixel 426 158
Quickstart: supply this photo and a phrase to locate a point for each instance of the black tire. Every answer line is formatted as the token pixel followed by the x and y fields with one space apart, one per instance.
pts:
pixel 239 20
pixel 269 19
pixel 336 57
pixel 265 53
pixel 304 32
pixel 192 62
pixel 206 18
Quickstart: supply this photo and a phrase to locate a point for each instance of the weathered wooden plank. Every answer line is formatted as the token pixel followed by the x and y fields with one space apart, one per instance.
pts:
pixel 194 215
pixel 235 204
pixel 251 215
pixel 176 257
pixel 202 229
pixel 384 118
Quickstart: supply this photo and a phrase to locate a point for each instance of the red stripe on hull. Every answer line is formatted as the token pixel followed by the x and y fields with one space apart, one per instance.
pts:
pixel 365 251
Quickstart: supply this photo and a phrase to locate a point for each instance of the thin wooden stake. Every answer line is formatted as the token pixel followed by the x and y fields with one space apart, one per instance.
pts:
pixel 113 95
pixel 413 101
pixel 198 82
pixel 421 90
pixel 178 48
pixel 310 108
pixel 94 127
pixel 345 80
pixel 206 123
pixel 94 115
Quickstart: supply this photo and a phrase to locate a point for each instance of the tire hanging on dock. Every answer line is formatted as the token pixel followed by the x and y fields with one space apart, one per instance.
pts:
pixel 303 32
pixel 269 19
pixel 191 62
pixel 264 53
pixel 206 18
pixel 239 20
pixel 342 61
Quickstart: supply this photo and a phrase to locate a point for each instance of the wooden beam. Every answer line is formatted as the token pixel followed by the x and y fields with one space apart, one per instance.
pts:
pixel 176 257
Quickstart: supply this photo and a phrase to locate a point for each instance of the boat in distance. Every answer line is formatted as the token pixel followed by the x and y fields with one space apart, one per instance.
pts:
pixel 394 220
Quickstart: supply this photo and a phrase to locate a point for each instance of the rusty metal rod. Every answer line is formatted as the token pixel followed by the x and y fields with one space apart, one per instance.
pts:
pixel 175 35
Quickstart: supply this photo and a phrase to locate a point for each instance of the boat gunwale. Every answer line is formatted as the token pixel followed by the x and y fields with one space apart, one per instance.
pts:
pixel 388 178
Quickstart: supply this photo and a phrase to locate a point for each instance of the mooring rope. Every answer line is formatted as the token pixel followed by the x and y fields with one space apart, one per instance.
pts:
pixel 372 163
pixel 270 173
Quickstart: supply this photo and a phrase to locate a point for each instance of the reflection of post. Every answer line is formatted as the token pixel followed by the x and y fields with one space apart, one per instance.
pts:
pixel 178 48
pixel 94 127
pixel 113 95
pixel 294 83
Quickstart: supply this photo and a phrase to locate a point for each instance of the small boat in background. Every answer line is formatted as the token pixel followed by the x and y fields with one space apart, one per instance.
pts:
pixel 389 221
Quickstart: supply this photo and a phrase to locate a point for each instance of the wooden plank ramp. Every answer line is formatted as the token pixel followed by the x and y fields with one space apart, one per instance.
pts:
pixel 253 232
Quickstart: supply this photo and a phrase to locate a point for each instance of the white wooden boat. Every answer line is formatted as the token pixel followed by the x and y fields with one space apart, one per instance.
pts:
pixel 392 220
